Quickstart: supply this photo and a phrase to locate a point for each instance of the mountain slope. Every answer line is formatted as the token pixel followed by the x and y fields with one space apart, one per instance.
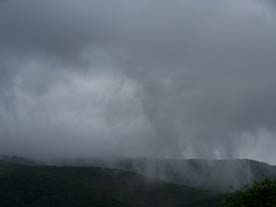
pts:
pixel 89 186
pixel 221 175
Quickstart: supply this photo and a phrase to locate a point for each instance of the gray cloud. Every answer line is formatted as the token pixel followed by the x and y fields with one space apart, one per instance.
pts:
pixel 138 78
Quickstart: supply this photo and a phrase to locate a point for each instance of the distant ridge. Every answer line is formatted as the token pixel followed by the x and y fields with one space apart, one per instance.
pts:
pixel 44 186
pixel 13 159
pixel 221 175
pixel 216 175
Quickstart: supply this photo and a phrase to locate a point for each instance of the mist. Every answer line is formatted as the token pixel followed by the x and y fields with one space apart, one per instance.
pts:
pixel 181 79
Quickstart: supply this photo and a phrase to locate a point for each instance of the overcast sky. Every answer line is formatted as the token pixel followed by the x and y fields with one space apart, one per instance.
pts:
pixel 182 78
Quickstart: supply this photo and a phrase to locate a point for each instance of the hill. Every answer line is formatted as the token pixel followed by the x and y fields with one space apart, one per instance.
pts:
pixel 221 175
pixel 32 186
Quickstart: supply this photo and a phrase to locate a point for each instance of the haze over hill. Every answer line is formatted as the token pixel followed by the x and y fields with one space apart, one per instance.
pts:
pixel 215 175
pixel 171 102
pixel 32 186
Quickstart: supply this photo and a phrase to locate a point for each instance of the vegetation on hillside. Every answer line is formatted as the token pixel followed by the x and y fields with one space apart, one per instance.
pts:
pixel 32 186
pixel 259 194
pixel 44 186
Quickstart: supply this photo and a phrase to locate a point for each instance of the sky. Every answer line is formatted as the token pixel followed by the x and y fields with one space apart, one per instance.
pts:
pixel 129 78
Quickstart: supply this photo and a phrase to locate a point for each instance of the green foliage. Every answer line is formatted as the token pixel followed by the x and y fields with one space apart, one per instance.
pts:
pixel 259 194
pixel 33 186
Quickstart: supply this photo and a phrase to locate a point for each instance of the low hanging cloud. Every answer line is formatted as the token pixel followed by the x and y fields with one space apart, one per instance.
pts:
pixel 138 78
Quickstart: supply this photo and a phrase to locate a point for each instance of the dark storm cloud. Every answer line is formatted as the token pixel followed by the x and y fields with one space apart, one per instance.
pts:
pixel 138 78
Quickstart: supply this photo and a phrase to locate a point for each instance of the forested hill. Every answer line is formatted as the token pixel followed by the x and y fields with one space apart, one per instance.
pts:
pixel 222 175
pixel 44 186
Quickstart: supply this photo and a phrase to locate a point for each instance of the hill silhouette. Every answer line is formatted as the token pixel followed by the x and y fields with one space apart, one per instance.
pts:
pixel 219 175
pixel 32 186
